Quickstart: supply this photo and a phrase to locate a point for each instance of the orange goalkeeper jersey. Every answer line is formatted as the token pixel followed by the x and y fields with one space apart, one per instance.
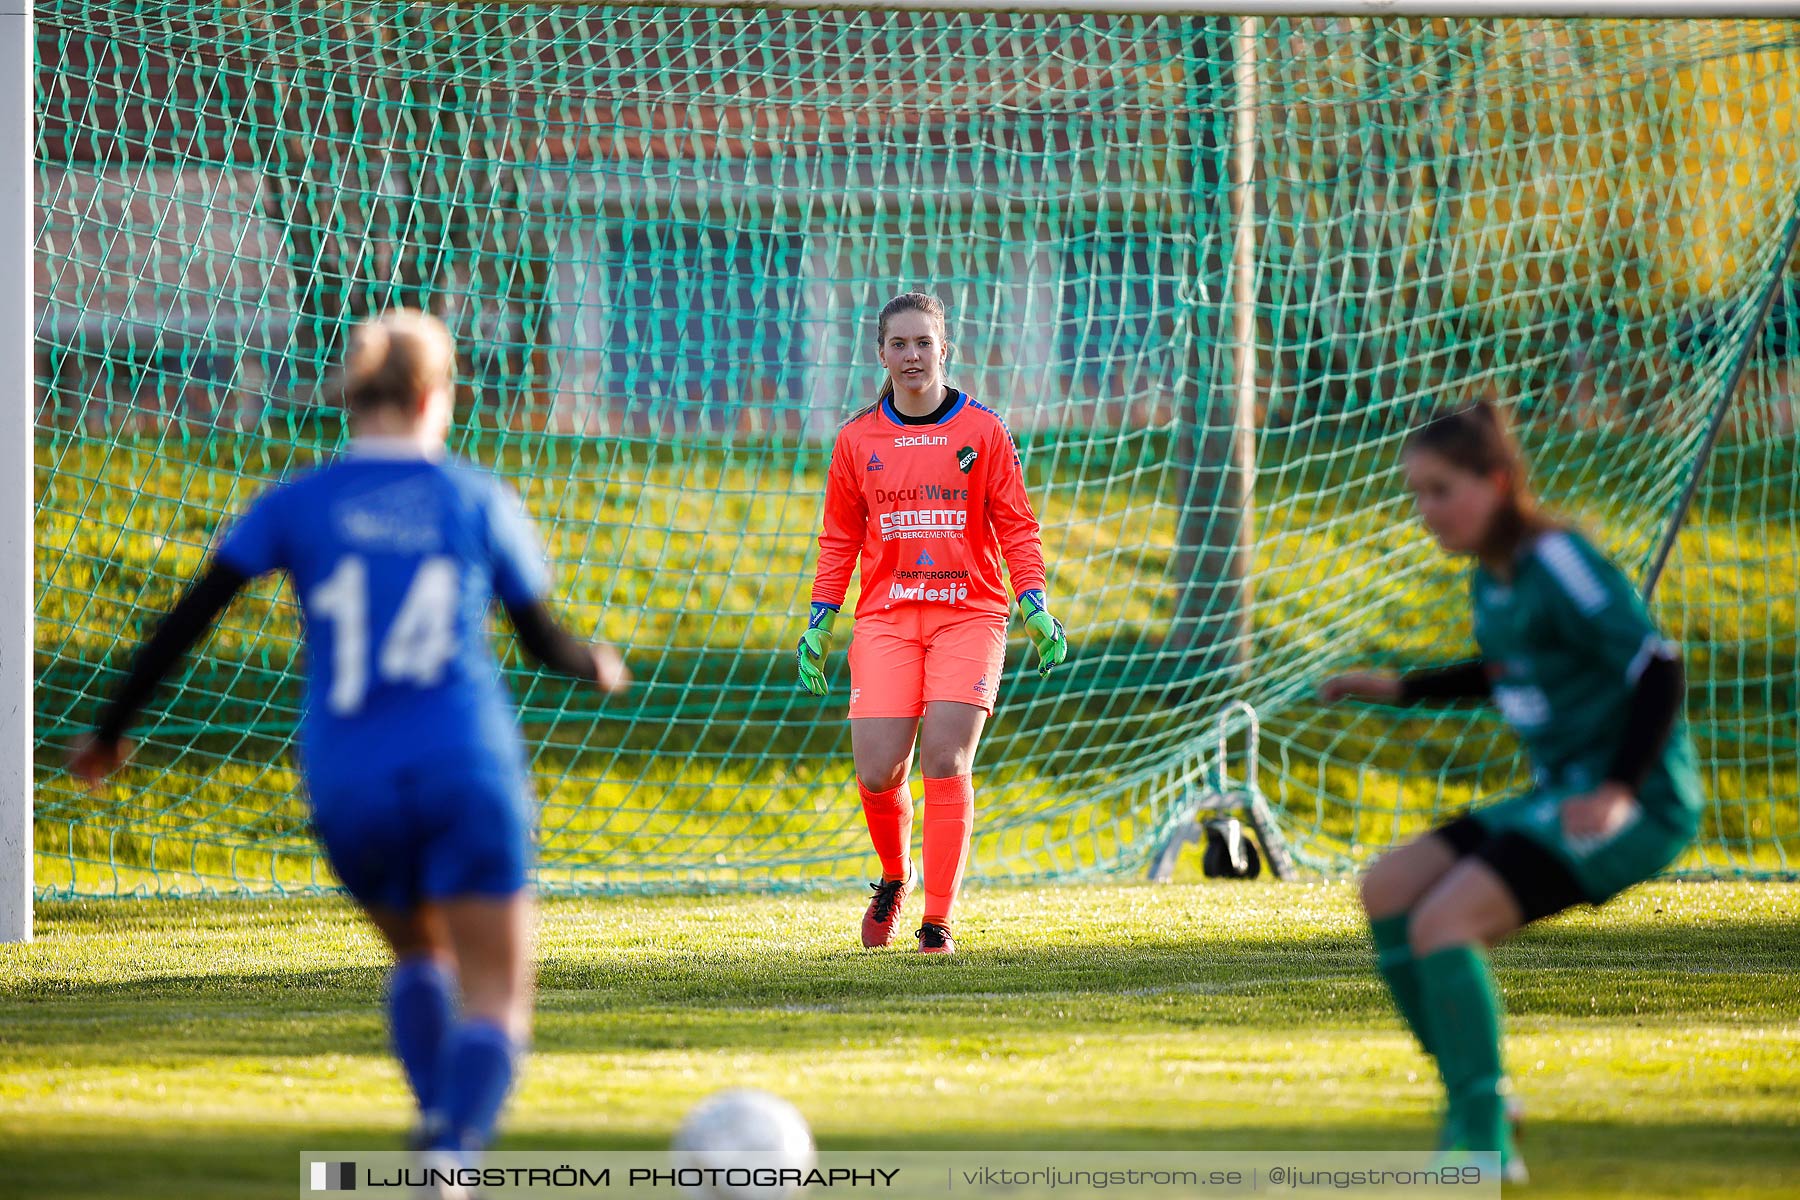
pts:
pixel 931 509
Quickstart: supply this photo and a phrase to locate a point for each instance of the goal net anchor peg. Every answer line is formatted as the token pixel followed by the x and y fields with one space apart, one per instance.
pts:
pixel 1217 816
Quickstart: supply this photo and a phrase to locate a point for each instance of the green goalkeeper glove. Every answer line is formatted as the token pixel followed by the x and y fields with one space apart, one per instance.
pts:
pixel 1046 631
pixel 815 644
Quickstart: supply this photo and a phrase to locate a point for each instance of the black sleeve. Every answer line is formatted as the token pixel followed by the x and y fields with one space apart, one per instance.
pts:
pixel 1649 715
pixel 1464 681
pixel 551 644
pixel 186 624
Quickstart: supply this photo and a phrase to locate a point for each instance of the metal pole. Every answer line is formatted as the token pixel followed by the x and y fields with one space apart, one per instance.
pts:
pixel 1778 272
pixel 1243 272
pixel 17 389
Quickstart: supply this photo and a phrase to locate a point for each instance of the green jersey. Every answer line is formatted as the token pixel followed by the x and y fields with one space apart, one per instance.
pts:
pixel 1564 642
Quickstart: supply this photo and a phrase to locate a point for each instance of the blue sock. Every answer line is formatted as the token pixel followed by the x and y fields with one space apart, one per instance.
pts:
pixel 473 1079
pixel 421 1004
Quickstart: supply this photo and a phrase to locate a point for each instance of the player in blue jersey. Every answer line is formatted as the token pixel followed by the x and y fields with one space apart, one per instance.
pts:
pixel 1574 663
pixel 414 766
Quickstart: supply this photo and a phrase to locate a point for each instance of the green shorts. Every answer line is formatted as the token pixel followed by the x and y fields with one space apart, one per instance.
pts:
pixel 1522 838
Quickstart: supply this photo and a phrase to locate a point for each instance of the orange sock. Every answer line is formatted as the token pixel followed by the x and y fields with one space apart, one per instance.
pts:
pixel 890 816
pixel 949 816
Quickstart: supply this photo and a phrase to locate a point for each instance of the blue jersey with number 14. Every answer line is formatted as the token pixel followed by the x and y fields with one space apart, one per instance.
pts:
pixel 394 558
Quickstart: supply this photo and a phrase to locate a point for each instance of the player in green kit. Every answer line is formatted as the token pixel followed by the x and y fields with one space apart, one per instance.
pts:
pixel 1572 661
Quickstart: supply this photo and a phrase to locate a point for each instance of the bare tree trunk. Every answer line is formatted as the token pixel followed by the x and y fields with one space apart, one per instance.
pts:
pixel 1214 453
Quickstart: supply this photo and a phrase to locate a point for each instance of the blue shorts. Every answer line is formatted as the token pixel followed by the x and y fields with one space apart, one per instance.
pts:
pixel 409 836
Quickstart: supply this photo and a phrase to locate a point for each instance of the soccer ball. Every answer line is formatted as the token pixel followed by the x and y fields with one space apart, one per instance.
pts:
pixel 743 1144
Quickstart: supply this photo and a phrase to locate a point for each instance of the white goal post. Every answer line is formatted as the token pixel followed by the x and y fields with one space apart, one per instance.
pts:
pixel 17 184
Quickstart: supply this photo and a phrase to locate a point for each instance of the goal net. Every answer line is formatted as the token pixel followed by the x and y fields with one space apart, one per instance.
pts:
pixel 1209 268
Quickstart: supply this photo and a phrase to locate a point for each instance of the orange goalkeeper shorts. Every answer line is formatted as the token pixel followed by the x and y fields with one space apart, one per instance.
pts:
pixel 903 658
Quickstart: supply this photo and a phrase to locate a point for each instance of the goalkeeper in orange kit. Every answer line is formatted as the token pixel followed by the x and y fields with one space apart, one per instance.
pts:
pixel 925 487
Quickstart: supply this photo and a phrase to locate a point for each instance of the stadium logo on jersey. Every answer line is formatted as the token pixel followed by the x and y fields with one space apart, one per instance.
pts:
pixel 965 458
pixel 875 463
pixel 920 439
pixel 924 559
pixel 910 523
pixel 918 591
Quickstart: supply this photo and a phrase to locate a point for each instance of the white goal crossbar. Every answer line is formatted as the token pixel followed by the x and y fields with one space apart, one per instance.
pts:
pixel 1520 9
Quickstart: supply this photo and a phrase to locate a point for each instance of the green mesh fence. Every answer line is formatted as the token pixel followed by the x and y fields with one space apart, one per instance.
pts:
pixel 660 236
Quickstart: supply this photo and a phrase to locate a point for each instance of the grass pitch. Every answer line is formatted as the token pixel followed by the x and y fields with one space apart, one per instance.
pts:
pixel 192 1049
